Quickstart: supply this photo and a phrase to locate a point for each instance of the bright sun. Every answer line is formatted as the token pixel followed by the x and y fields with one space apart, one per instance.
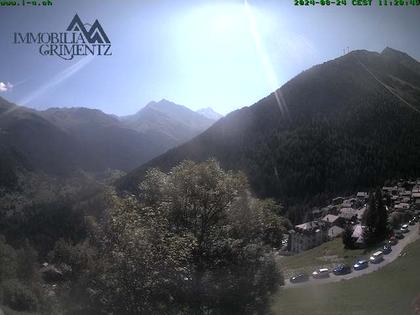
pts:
pixel 221 20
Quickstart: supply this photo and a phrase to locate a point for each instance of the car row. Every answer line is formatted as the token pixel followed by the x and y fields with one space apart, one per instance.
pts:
pixel 343 269
pixel 376 258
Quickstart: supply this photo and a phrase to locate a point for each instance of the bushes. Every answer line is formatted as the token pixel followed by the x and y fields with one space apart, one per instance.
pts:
pixel 8 258
pixel 19 277
pixel 18 296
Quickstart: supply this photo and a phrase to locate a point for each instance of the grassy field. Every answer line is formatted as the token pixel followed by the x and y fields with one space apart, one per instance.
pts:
pixel 389 291
pixel 328 254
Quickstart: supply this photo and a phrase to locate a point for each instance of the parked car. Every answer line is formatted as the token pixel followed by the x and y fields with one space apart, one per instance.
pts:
pixel 399 235
pixel 342 270
pixel 393 241
pixel 377 257
pixel 404 228
pixel 412 222
pixel 361 264
pixel 321 273
pixel 300 277
pixel 386 249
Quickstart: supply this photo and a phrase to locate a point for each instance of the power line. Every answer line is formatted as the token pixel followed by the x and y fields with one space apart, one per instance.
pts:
pixel 387 87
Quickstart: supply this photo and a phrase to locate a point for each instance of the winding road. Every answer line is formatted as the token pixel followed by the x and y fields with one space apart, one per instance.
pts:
pixel 410 237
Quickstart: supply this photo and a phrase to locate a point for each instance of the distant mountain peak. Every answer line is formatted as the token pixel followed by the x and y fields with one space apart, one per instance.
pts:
pixel 163 105
pixel 175 122
pixel 209 113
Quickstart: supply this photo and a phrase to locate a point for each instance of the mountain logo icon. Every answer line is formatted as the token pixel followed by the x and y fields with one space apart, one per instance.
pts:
pixel 95 34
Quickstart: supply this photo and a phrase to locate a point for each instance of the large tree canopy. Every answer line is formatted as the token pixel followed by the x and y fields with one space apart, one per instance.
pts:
pixel 193 241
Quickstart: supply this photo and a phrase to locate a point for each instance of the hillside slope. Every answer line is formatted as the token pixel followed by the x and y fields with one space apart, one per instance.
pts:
pixel 340 126
pixel 108 142
pixel 28 141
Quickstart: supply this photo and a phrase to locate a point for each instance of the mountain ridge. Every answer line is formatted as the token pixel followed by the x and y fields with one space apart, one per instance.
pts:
pixel 59 141
pixel 209 113
pixel 341 126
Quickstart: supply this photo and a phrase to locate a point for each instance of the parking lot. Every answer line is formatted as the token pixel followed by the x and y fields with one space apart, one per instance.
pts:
pixel 397 250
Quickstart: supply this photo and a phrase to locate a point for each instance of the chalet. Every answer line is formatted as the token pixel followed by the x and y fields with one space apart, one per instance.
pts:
pixel 331 220
pixel 307 235
pixel 334 232
pixel 415 197
pixel 360 213
pixel 405 199
pixel 405 193
pixel 330 209
pixel 362 196
pixel 401 206
pixel 390 190
pixel 358 235
pixel 348 214
pixel 394 199
pixel 349 203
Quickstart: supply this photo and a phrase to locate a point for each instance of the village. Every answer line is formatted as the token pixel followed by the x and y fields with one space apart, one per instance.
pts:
pixel 402 202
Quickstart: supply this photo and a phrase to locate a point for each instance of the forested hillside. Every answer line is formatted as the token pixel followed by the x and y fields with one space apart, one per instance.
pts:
pixel 346 124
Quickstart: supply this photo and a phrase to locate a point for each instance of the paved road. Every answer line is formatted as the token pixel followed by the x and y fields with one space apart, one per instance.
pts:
pixel 410 237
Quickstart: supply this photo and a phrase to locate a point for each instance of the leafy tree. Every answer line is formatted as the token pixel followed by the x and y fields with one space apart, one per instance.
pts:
pixel 143 261
pixel 193 241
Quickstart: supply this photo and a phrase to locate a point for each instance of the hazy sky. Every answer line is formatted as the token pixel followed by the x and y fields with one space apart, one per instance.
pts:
pixel 223 54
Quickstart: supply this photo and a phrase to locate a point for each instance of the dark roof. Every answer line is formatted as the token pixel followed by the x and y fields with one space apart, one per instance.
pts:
pixel 311 226
pixel 348 213
pixel 330 218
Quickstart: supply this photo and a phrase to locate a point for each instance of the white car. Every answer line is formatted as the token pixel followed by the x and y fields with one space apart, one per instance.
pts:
pixel 377 257
pixel 404 228
pixel 321 273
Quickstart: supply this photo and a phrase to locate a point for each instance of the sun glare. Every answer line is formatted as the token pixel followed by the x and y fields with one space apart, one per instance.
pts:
pixel 222 21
